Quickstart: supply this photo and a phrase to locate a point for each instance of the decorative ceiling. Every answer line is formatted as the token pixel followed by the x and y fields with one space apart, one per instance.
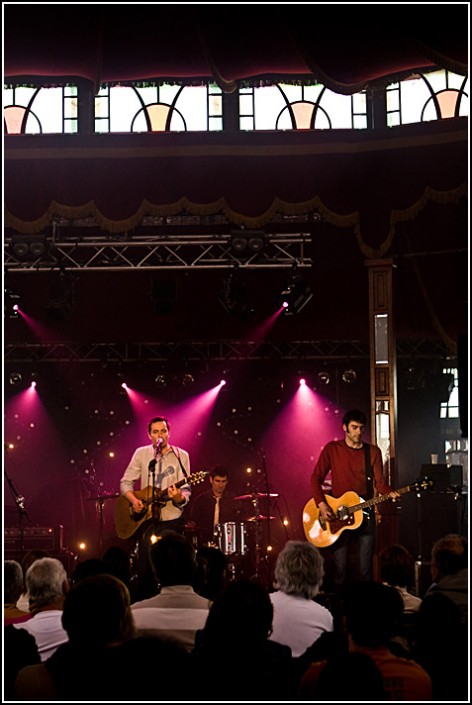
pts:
pixel 399 193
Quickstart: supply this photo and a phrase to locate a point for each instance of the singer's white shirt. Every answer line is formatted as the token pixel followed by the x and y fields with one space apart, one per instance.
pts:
pixel 167 472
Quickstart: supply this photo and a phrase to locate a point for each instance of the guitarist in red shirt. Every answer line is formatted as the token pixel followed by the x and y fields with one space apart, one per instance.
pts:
pixel 355 467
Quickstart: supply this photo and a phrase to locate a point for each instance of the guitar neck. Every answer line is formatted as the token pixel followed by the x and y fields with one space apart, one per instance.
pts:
pixel 376 500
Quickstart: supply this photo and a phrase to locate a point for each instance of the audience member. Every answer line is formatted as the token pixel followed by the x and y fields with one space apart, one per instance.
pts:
pixel 372 612
pixel 235 637
pixel 441 647
pixel 88 567
pixel 19 650
pixel 96 615
pixel 144 655
pixel 28 559
pixel 117 562
pixel 47 585
pixel 298 619
pixel 350 677
pixel 397 568
pixel 12 589
pixel 211 574
pixel 450 572
pixel 177 611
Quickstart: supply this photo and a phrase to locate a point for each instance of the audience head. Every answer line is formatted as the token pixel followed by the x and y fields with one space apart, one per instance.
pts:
pixel 30 557
pixel 173 559
pixel 12 581
pixel 299 569
pixel 46 583
pixel 372 612
pixel 449 555
pixel 117 562
pixel 350 676
pixel 87 568
pixel 397 566
pixel 242 614
pixel 97 611
pixel 210 577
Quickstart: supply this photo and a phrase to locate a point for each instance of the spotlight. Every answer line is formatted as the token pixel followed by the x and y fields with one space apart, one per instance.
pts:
pixel 248 240
pixel 10 304
pixel 15 378
pixel 349 376
pixel 324 377
pixel 161 381
pixel 296 294
pixel 29 248
pixel 188 380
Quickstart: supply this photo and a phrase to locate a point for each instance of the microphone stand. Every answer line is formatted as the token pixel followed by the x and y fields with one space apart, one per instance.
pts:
pixel 20 503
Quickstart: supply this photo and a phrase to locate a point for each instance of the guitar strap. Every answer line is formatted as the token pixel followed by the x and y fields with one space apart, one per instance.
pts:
pixel 180 462
pixel 368 472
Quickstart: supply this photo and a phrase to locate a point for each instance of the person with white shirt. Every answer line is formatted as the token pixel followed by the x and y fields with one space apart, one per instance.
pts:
pixel 47 586
pixel 298 620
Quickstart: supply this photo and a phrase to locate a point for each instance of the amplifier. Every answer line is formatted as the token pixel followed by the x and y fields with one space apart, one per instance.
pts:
pixel 47 538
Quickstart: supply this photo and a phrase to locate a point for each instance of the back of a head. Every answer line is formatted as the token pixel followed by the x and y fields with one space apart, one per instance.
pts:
pixel 350 677
pixel 299 569
pixel 117 562
pixel 396 566
pixel 87 568
pixel 173 559
pixel 449 554
pixel 97 611
pixel 243 613
pixel 30 557
pixel 45 582
pixel 12 581
pixel 372 612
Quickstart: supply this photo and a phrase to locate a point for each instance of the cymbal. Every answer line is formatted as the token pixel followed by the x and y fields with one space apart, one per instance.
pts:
pixel 107 495
pixel 256 495
pixel 259 517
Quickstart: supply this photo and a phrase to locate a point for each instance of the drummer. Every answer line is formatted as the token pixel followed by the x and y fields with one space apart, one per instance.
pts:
pixel 213 507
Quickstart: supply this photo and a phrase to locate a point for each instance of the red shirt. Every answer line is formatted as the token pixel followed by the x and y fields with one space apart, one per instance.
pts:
pixel 347 466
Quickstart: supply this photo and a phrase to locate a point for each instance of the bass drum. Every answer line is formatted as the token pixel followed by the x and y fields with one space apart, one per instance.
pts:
pixel 232 538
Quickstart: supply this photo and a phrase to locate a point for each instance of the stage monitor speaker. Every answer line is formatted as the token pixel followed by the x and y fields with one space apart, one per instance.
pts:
pixel 444 477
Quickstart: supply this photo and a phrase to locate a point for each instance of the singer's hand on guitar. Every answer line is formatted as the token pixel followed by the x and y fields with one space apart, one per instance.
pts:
pixel 137 506
pixel 175 494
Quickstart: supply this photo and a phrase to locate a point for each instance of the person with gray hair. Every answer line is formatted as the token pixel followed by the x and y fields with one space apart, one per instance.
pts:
pixel 12 589
pixel 298 619
pixel 47 585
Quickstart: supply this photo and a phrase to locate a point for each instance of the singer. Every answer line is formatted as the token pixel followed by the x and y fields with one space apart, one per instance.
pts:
pixel 159 466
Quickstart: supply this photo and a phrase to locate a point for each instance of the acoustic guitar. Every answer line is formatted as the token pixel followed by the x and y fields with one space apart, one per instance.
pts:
pixel 127 520
pixel 349 513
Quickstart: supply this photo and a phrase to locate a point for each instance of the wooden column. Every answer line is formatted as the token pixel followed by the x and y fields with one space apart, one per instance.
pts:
pixel 383 379
pixel 383 384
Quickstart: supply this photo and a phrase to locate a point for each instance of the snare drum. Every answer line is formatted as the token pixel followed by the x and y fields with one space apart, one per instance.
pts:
pixel 231 538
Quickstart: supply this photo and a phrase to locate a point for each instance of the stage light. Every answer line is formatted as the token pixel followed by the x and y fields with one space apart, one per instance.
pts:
pixel 161 381
pixel 349 376
pixel 15 378
pixel 324 377
pixel 296 294
pixel 188 380
pixel 29 247
pixel 10 304
pixel 248 241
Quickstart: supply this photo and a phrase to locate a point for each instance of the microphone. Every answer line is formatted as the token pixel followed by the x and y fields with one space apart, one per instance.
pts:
pixel 157 447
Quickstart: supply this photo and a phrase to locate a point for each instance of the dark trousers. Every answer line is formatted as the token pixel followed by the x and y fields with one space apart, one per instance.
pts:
pixel 145 582
pixel 357 545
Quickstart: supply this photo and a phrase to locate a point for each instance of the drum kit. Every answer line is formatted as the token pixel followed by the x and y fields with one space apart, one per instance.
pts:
pixel 233 538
